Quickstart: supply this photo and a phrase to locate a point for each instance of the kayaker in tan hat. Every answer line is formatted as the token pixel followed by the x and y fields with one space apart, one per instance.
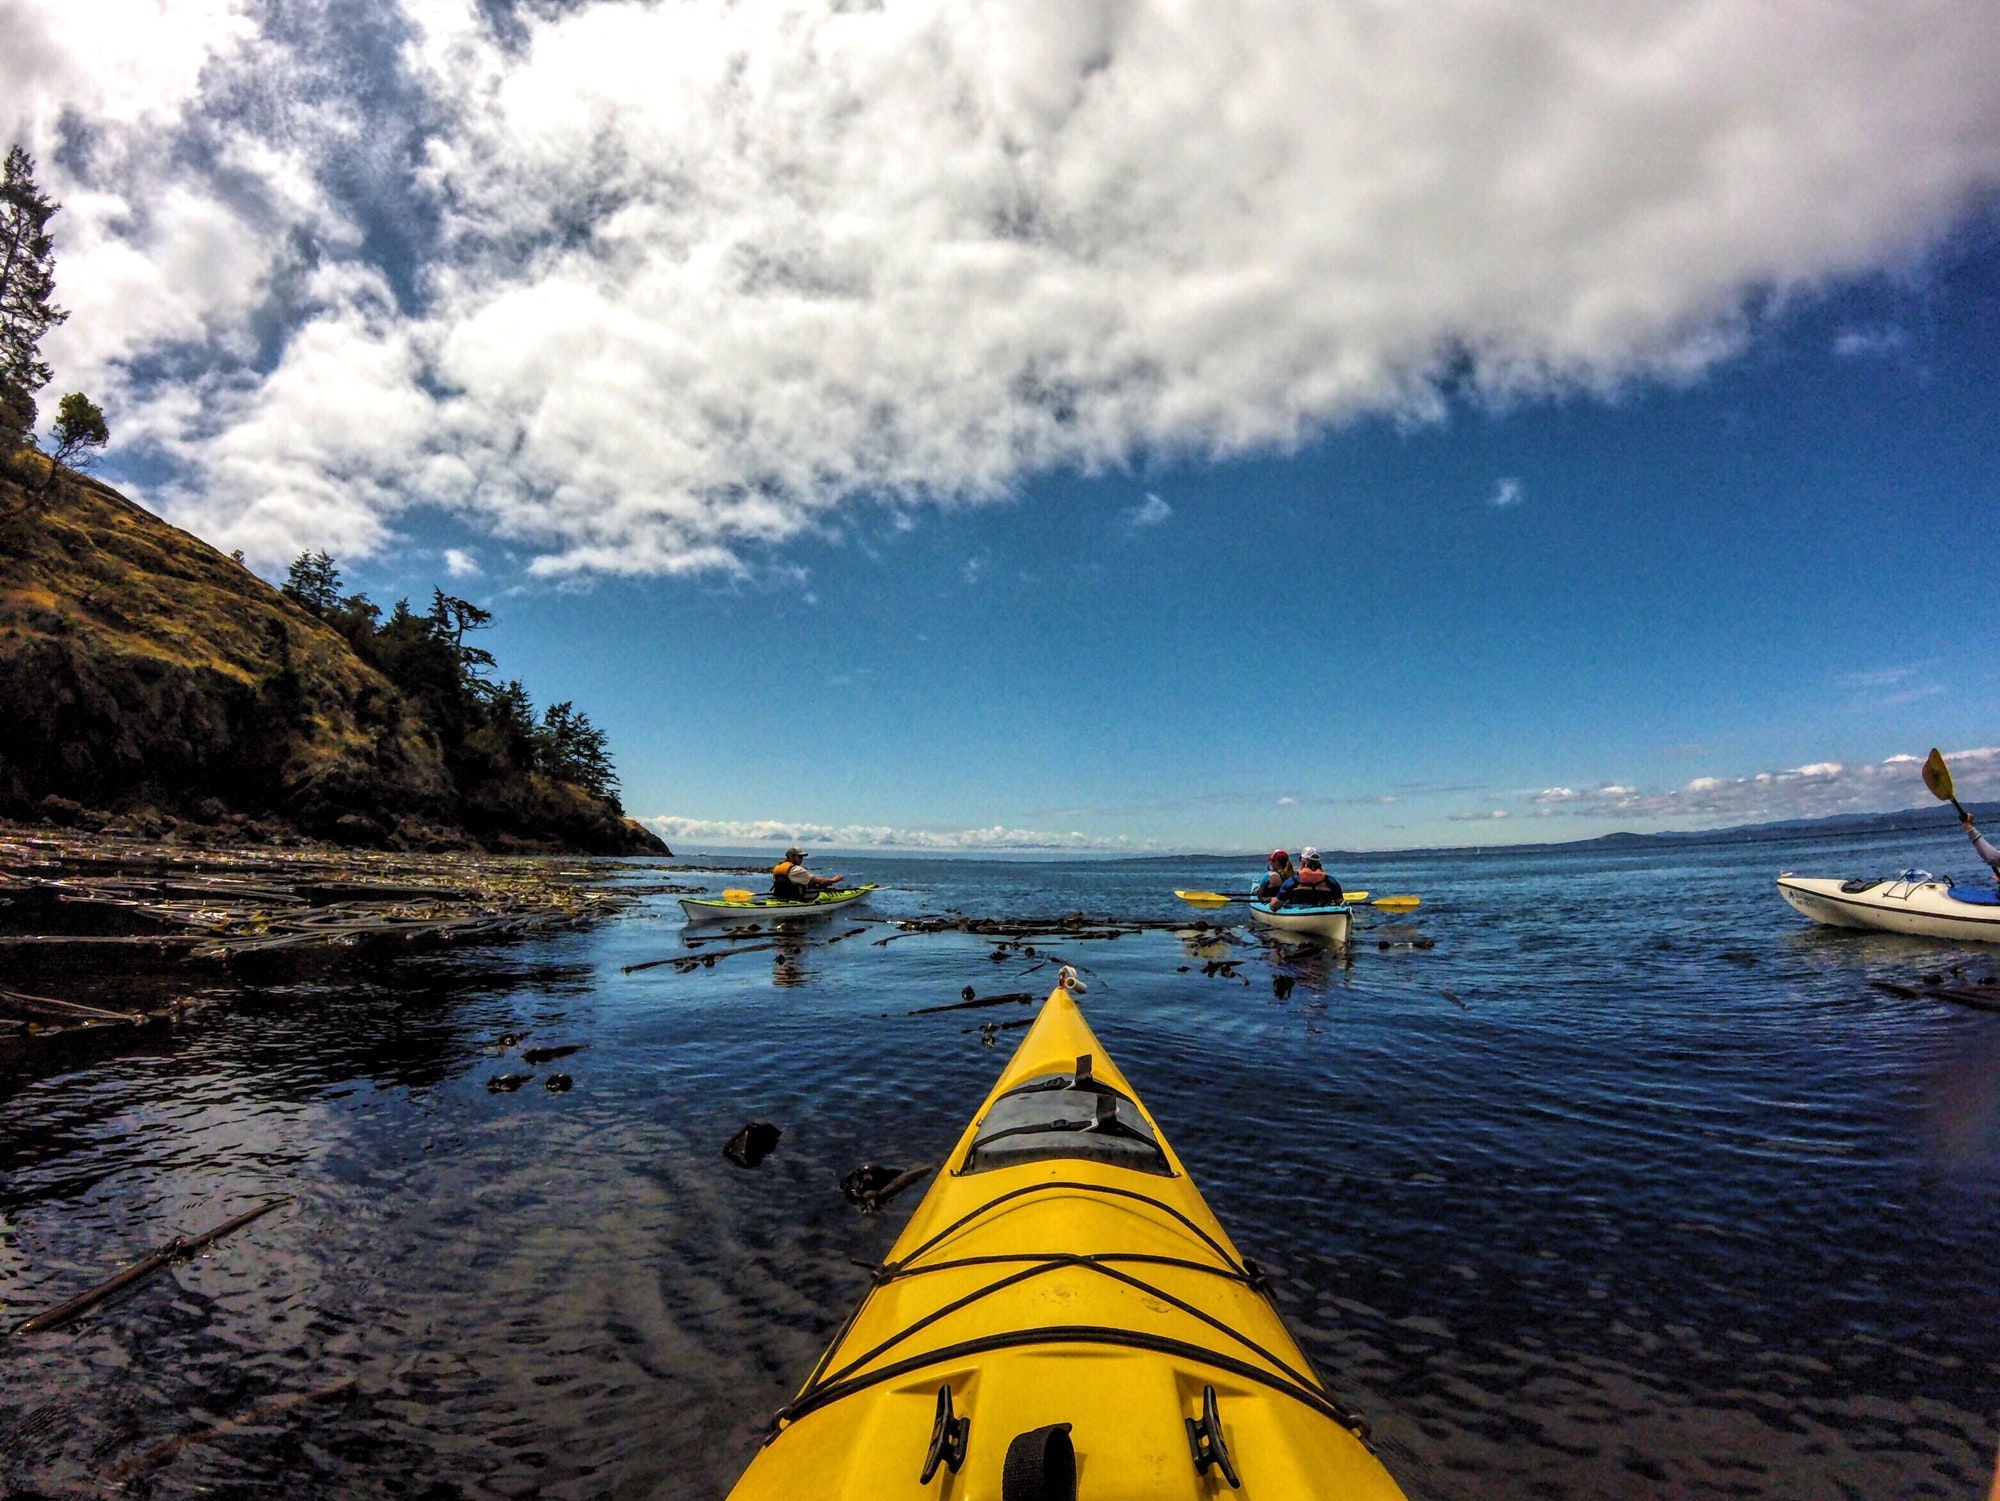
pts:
pixel 792 882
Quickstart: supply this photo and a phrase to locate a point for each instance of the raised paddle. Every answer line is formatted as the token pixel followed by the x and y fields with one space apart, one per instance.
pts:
pixel 1937 777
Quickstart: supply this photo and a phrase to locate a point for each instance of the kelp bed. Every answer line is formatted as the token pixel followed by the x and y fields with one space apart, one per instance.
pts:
pixel 77 904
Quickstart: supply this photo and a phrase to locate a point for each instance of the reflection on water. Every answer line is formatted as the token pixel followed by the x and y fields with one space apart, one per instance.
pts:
pixel 1631 1186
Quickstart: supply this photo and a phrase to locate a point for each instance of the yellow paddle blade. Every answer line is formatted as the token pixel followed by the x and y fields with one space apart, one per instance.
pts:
pixel 736 894
pixel 1396 903
pixel 1937 776
pixel 1352 897
pixel 1203 898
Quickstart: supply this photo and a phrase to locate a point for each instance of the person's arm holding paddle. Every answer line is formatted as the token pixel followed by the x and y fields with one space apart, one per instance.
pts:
pixel 1980 843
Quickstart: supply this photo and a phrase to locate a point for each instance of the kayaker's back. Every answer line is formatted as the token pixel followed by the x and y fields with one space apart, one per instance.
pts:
pixel 1063 1270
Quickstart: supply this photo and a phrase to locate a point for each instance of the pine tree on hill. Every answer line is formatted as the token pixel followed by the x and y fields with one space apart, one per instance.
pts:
pixel 27 295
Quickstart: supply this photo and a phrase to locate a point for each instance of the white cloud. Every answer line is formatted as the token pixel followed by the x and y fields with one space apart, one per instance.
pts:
pixel 1491 816
pixel 1150 512
pixel 1506 493
pixel 1810 791
pixel 697 831
pixel 974 569
pixel 685 279
pixel 461 564
pixel 1288 802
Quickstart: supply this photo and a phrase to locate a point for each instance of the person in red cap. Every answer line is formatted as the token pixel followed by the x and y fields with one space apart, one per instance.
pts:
pixel 1280 872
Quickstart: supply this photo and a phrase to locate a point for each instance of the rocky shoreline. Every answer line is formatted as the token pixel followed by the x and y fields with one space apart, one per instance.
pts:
pixel 110 928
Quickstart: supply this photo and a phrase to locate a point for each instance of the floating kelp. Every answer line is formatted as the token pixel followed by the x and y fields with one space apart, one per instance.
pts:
pixel 871 1185
pixel 685 963
pixel 506 1083
pixel 549 1055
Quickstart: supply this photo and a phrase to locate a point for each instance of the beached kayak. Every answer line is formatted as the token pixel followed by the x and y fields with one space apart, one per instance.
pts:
pixel 1063 1305
pixel 1329 924
pixel 761 910
pixel 1913 902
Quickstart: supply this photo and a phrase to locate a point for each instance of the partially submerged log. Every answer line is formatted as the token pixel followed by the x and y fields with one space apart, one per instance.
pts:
pixel 180 1248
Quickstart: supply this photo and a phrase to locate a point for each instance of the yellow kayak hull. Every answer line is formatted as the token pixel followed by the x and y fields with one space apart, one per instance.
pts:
pixel 1046 1279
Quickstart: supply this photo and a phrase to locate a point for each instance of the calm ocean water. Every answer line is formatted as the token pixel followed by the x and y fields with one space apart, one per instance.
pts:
pixel 1631 1186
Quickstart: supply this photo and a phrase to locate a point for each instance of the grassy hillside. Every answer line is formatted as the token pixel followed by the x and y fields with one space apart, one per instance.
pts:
pixel 146 676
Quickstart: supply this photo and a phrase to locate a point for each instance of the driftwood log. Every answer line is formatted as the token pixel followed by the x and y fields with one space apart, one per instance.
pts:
pixel 180 1248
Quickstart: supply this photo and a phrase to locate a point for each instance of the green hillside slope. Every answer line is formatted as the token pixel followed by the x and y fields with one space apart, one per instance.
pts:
pixel 143 673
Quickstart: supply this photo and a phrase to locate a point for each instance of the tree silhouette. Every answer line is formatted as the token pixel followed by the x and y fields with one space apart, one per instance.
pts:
pixel 27 293
pixel 79 427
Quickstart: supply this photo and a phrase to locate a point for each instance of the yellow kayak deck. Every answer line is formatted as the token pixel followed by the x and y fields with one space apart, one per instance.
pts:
pixel 1063 1269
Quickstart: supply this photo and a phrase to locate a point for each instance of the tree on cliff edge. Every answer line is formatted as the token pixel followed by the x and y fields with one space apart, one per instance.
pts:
pixel 27 295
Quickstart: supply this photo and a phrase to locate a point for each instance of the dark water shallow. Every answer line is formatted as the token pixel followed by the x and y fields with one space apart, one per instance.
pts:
pixel 1669 1202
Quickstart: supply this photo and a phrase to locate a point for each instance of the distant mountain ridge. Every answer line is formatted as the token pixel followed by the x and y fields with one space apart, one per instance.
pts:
pixel 149 679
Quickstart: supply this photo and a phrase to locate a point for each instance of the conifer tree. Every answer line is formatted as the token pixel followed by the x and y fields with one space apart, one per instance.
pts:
pixel 27 293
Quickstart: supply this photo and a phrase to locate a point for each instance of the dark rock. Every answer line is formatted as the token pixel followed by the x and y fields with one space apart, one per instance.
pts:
pixel 559 1084
pixel 968 993
pixel 1281 986
pixel 750 1146
pixel 61 810
pixel 506 1083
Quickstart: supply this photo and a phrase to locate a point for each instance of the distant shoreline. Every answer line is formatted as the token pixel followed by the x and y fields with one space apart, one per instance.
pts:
pixel 1915 819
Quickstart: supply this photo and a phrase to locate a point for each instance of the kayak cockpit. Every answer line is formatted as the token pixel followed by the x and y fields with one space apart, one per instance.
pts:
pixel 1057 1115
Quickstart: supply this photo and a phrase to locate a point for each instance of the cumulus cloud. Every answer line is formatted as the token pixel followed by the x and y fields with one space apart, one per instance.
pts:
pixel 637 287
pixel 1506 493
pixel 461 564
pixel 1149 512
pixel 1811 791
pixel 999 838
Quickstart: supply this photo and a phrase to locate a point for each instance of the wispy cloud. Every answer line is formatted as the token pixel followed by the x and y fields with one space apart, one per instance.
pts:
pixel 1507 493
pixel 1863 343
pixel 1491 816
pixel 974 569
pixel 461 564
pixel 678 831
pixel 1813 790
pixel 642 288
pixel 1149 512
pixel 1288 802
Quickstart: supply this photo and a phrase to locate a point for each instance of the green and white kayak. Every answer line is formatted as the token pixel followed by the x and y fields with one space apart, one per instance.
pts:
pixel 760 911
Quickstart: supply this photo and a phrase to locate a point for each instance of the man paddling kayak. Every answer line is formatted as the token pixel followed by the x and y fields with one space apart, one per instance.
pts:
pixel 792 882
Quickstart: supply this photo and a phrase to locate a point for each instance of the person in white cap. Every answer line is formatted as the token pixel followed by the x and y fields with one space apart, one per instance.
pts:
pixel 1310 885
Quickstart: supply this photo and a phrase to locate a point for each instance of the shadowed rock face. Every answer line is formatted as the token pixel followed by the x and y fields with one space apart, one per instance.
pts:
pixel 142 671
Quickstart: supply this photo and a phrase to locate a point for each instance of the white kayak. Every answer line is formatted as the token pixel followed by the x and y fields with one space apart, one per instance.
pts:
pixel 1915 902
pixel 1328 924
pixel 758 911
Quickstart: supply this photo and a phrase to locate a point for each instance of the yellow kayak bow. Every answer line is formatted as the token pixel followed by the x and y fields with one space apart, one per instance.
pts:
pixel 1064 1318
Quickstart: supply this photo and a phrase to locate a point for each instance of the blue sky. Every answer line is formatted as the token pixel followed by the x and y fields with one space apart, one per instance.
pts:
pixel 1070 424
pixel 1785 563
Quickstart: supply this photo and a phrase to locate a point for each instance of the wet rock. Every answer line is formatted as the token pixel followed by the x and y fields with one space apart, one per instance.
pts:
pixel 750 1146
pixel 1281 986
pixel 968 993
pixel 506 1083
pixel 549 1055
pixel 559 1084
